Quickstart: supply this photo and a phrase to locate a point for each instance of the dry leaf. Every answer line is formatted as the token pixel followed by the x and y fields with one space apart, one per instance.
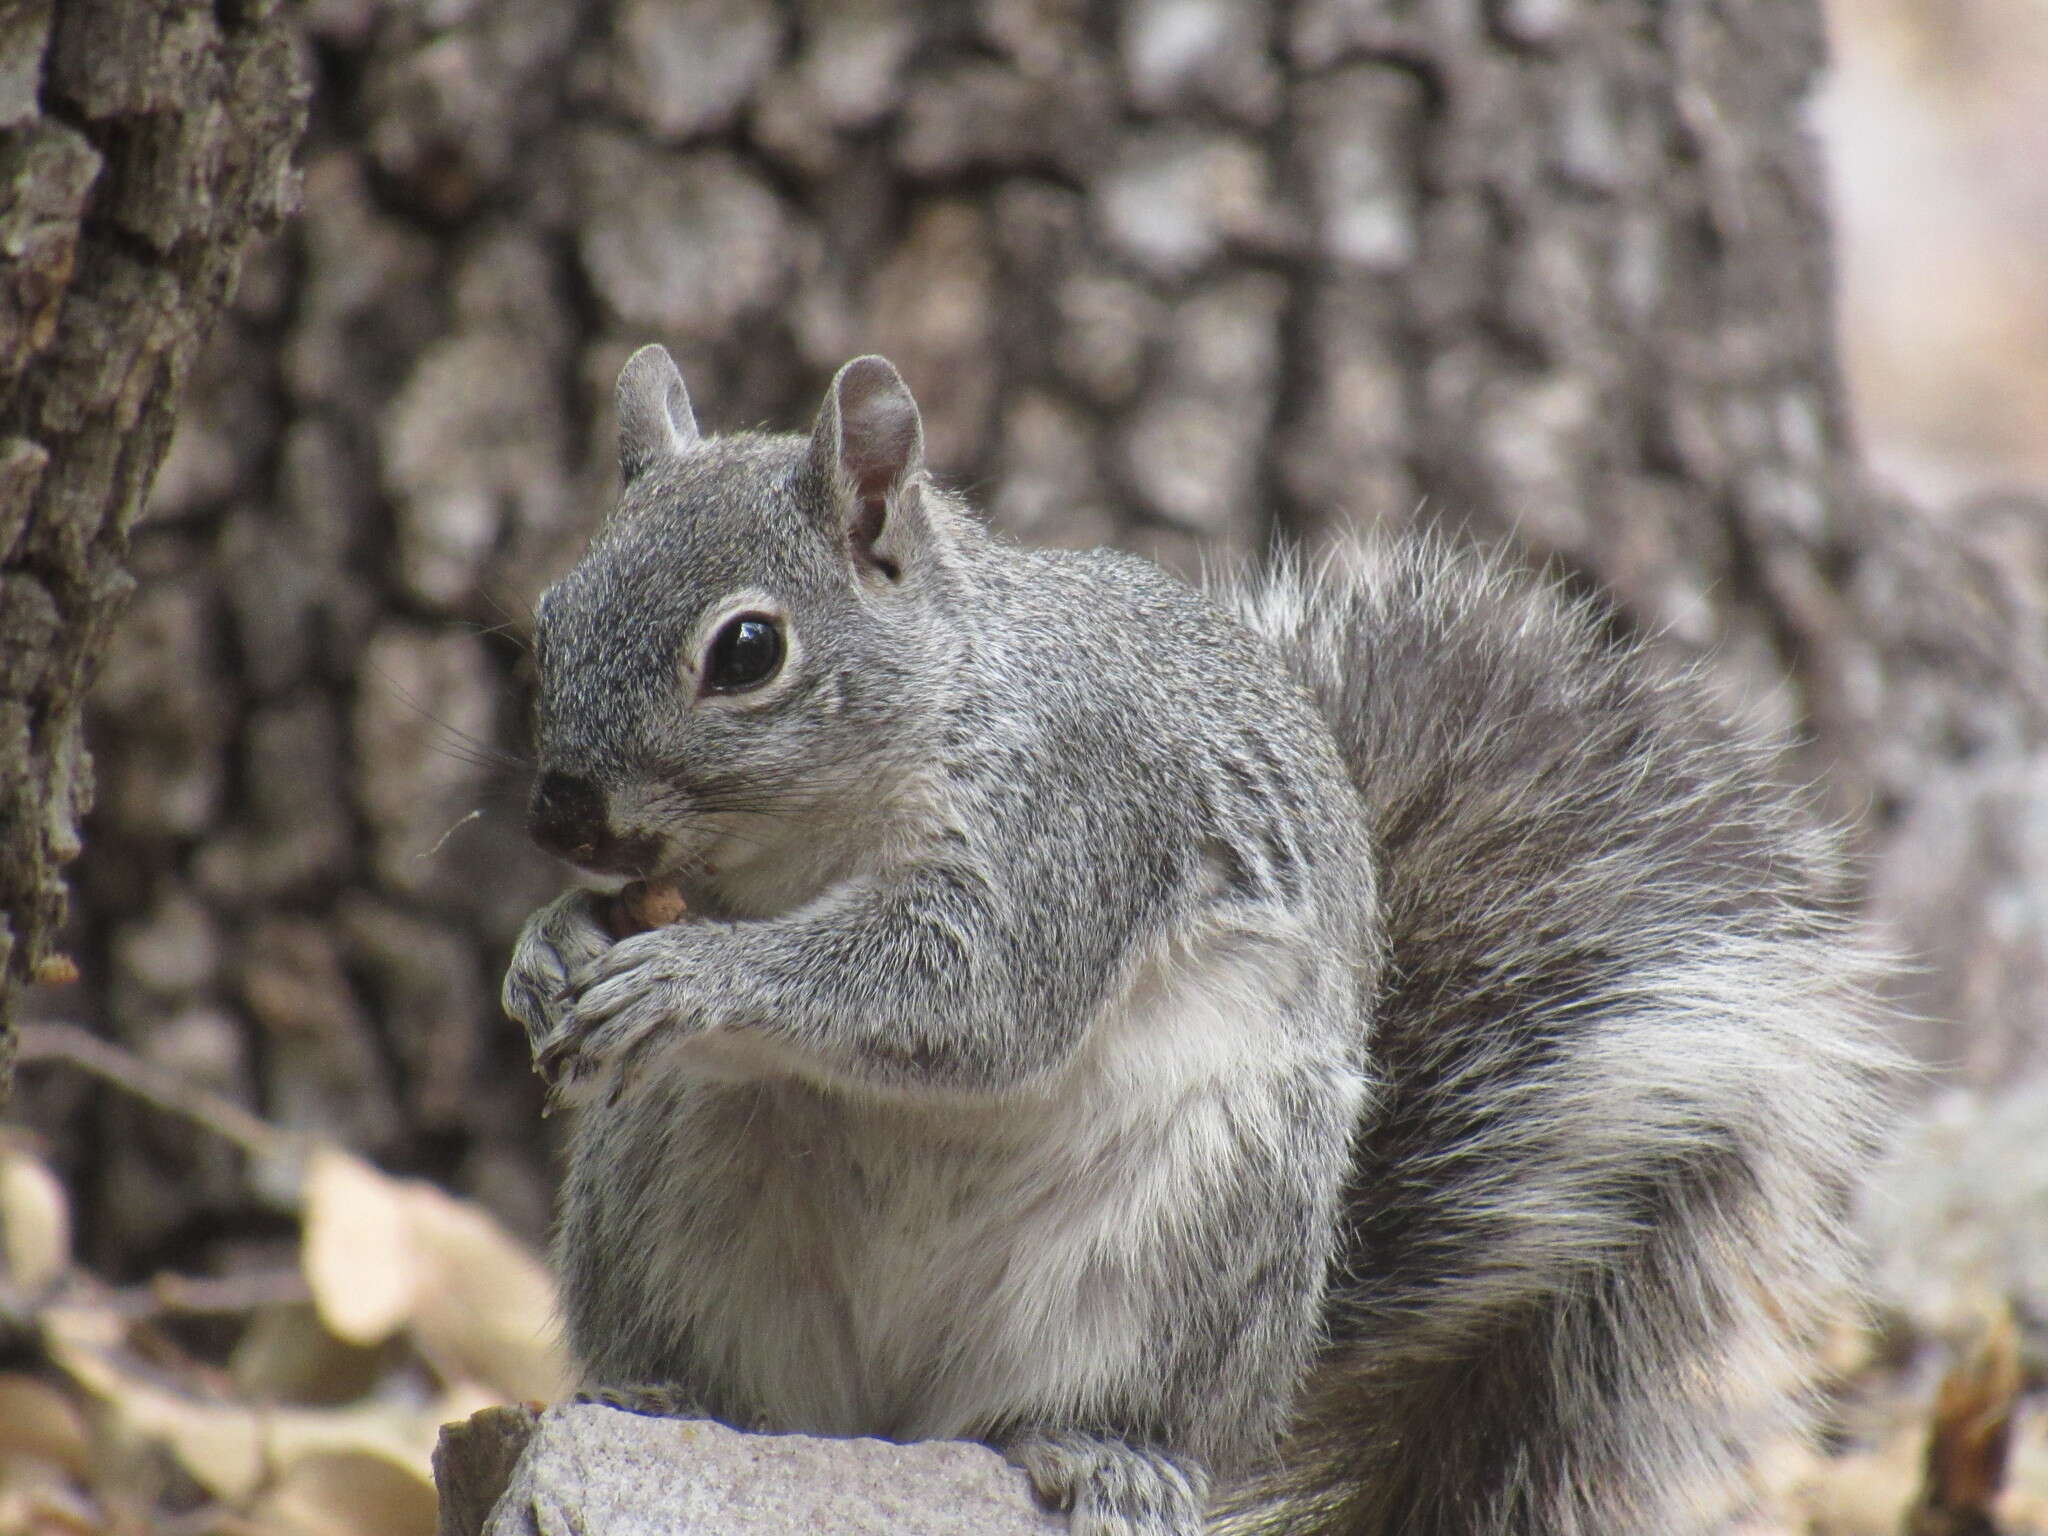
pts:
pixel 358 1252
pixel 39 1423
pixel 51 1509
pixel 220 1445
pixel 382 1257
pixel 349 1493
pixel 234 1449
pixel 381 1253
pixel 287 1355
pixel 1972 1431
pixel 35 1224
pixel 485 1311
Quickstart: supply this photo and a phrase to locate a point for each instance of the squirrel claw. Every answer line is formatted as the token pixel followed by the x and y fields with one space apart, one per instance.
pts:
pixel 559 1064
pixel 563 1068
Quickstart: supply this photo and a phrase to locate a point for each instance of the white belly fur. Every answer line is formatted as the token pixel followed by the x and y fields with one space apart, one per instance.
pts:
pixel 931 1272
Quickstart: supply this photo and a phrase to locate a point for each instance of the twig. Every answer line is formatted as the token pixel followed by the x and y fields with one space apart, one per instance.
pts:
pixel 208 1294
pixel 1971 1439
pixel 87 1052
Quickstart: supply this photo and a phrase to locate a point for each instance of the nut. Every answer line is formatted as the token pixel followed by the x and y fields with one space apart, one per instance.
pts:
pixel 645 904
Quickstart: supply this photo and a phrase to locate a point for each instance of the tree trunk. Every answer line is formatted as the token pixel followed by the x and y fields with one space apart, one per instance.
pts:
pixel 144 144
pixel 1186 275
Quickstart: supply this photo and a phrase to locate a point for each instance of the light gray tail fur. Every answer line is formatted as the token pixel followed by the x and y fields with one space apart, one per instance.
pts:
pixel 1627 1069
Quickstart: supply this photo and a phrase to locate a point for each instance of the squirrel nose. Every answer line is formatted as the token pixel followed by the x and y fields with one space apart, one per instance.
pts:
pixel 567 816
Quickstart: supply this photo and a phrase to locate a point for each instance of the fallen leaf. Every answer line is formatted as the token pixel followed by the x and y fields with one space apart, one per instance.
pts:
pixel 235 1450
pixel 35 1223
pixel 287 1355
pixel 1970 1436
pixel 349 1493
pixel 357 1250
pixel 485 1311
pixel 383 1253
pixel 39 1423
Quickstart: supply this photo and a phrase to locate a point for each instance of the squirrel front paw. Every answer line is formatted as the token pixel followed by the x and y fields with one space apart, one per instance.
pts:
pixel 1110 1488
pixel 558 943
pixel 638 992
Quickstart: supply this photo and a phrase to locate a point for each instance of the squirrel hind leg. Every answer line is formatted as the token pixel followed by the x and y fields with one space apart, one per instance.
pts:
pixel 1110 1488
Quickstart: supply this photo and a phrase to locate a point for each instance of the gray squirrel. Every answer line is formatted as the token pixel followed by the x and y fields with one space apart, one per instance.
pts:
pixel 1367 1053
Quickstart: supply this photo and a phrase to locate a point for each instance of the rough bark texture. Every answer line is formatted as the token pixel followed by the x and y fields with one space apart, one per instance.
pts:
pixel 142 145
pixel 1182 274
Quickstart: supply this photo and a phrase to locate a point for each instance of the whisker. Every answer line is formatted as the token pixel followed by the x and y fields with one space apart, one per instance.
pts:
pixel 463 753
pixel 515 622
pixel 504 631
pixel 481 753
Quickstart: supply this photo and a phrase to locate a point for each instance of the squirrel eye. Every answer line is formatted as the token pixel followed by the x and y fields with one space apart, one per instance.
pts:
pixel 744 654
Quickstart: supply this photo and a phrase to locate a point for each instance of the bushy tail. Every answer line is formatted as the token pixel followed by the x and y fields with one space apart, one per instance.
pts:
pixel 1629 1072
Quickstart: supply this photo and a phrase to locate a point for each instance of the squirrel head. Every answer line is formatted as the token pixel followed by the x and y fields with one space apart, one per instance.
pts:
pixel 734 666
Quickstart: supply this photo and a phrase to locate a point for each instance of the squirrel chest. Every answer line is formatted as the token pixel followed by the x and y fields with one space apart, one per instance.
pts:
pixel 871 1267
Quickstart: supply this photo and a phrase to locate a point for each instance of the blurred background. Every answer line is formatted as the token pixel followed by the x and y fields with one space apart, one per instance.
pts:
pixel 1190 276
pixel 1935 120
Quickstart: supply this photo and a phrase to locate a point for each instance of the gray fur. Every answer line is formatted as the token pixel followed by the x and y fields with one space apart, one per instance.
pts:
pixel 655 419
pixel 1395 1058
pixel 1596 1222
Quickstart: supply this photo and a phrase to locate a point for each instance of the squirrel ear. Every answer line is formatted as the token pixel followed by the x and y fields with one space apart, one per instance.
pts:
pixel 869 443
pixel 655 419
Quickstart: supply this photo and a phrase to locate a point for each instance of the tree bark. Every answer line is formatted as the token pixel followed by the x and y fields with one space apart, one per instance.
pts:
pixel 1186 275
pixel 143 145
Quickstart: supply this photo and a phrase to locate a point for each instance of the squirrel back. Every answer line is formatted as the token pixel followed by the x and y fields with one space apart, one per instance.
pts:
pixel 1628 1069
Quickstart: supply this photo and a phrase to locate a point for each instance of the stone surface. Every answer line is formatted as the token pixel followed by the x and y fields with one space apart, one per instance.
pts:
pixel 590 1468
